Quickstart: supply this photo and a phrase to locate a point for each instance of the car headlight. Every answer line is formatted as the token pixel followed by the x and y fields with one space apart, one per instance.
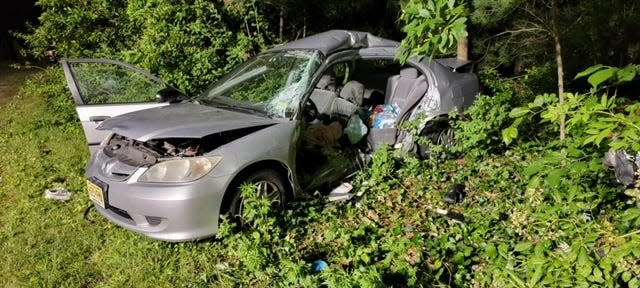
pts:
pixel 180 170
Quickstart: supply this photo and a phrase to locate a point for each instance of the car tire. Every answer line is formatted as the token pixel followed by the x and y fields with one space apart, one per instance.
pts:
pixel 269 181
pixel 444 137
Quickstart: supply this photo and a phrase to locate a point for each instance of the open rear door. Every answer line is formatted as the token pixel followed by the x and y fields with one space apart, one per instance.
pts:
pixel 105 88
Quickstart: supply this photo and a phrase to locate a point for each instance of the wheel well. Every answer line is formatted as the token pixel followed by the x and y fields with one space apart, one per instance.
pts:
pixel 275 165
pixel 437 123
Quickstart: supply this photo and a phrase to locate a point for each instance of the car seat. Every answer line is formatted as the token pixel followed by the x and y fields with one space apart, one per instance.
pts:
pixel 405 90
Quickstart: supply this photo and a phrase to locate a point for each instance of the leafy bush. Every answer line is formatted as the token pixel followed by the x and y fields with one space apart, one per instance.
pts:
pixel 479 129
pixel 188 44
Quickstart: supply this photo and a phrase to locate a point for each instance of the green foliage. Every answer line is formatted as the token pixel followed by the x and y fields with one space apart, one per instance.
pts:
pixel 85 28
pixel 478 131
pixel 192 44
pixel 591 119
pixel 601 74
pixel 531 218
pixel 514 35
pixel 432 27
pixel 570 173
pixel 189 44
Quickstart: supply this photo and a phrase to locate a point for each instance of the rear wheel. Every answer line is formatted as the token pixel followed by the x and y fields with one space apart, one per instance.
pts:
pixel 443 137
pixel 269 183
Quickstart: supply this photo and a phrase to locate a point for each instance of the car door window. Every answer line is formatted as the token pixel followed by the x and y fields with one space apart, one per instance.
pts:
pixel 106 83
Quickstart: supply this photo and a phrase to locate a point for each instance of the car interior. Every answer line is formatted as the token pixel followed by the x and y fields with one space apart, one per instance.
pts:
pixel 359 105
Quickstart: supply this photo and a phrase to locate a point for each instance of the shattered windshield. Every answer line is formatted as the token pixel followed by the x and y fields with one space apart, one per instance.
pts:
pixel 271 83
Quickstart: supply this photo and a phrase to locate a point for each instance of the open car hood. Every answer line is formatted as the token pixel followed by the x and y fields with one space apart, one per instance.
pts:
pixel 181 121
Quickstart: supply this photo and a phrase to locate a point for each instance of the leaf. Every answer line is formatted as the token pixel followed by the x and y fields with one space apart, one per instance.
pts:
pixel 491 251
pixel 601 76
pixel 626 74
pixel 509 134
pixel 451 3
pixel 603 100
pixel 555 176
pixel 626 276
pixel 523 247
pixel 519 112
pixel 515 278
pixel 589 71
pixel 533 168
pixel 537 275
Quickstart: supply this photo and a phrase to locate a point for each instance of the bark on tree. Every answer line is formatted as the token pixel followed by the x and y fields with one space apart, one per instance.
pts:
pixel 558 48
pixel 463 49
pixel 281 27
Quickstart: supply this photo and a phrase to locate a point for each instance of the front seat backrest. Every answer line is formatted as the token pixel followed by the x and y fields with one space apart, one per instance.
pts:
pixel 405 90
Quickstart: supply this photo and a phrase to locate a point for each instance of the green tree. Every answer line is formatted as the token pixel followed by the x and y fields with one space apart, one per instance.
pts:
pixel 432 27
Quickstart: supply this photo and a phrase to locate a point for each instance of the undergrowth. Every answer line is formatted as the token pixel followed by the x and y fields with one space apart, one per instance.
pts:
pixel 517 228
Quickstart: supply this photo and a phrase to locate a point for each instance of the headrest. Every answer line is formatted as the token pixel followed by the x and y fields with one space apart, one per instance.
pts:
pixel 326 81
pixel 353 91
pixel 409 73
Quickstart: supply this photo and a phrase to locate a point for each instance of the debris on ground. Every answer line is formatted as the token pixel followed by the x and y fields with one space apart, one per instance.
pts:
pixel 58 194
pixel 456 194
pixel 320 265
pixel 455 216
pixel 341 193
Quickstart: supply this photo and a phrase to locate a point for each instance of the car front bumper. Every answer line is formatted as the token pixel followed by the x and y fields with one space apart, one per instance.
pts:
pixel 164 211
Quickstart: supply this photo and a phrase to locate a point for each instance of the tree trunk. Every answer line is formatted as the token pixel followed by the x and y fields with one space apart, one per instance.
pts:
pixel 556 41
pixel 304 23
pixel 281 27
pixel 463 49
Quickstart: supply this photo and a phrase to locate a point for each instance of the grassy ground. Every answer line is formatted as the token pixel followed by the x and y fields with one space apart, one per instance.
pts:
pixel 11 80
pixel 46 243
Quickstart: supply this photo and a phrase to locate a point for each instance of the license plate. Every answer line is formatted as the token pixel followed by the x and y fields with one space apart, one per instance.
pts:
pixel 95 193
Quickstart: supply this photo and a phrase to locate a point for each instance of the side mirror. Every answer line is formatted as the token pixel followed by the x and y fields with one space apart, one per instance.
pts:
pixel 309 111
pixel 171 95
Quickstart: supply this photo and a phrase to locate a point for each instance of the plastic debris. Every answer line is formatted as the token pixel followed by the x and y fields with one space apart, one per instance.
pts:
pixel 58 194
pixel 320 265
pixel 456 194
pixel 356 129
pixel 385 116
pixel 341 193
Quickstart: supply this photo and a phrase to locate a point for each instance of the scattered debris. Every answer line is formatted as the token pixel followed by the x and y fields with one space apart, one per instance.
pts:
pixel 341 193
pixel 455 216
pixel 456 194
pixel 59 194
pixel 320 265
pixel 356 129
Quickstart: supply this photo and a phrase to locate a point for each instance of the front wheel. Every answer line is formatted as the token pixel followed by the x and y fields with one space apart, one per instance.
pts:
pixel 269 183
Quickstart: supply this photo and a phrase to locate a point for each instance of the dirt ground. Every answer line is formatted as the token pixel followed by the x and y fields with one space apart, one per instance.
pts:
pixel 11 80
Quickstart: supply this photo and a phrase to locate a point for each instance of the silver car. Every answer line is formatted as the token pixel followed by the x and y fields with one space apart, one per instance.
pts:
pixel 297 118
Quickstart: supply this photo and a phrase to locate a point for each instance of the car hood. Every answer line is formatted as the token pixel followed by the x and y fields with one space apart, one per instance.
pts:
pixel 187 120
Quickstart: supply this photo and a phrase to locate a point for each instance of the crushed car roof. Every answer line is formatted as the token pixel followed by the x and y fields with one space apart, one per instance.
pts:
pixel 335 40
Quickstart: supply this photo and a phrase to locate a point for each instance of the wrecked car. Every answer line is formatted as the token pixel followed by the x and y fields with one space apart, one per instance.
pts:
pixel 297 118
